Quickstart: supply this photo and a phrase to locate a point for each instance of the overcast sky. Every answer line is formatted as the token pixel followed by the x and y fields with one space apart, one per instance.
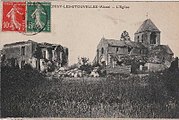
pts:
pixel 81 29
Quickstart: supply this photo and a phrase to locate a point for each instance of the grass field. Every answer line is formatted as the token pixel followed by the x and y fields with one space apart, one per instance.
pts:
pixel 27 93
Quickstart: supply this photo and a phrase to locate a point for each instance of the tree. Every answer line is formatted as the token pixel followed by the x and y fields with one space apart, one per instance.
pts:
pixel 84 64
pixel 125 36
pixel 85 60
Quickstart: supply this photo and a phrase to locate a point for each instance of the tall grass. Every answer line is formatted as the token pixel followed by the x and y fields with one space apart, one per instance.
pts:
pixel 29 94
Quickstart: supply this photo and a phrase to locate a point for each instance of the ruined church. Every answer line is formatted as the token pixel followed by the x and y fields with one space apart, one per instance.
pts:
pixel 146 49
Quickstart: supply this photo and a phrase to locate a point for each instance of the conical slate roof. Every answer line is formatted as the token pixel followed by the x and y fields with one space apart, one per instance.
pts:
pixel 147 25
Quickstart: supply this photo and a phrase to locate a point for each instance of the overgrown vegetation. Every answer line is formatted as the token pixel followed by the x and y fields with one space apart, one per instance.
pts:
pixel 27 93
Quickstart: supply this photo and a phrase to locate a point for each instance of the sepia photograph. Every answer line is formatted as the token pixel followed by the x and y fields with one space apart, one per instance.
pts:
pixel 89 59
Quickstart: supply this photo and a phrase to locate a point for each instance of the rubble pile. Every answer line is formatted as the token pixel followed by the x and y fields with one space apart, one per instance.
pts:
pixel 75 72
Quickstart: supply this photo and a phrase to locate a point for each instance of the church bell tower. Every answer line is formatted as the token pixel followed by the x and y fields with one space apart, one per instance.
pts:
pixel 148 34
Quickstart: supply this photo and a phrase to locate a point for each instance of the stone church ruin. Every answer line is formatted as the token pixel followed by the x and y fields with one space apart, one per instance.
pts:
pixel 145 53
pixel 41 56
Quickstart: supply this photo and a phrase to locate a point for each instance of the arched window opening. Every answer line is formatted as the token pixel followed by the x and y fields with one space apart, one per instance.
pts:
pixel 23 50
pixel 117 49
pixel 143 37
pixel 153 37
pixel 129 49
pixel 137 38
pixel 97 52
pixel 102 50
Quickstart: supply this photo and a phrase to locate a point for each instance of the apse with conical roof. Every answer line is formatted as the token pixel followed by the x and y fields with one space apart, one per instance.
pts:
pixel 148 34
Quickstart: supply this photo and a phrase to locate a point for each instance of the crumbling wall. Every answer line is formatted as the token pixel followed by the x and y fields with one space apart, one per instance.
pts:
pixel 38 55
pixel 15 52
pixel 155 67
pixel 64 57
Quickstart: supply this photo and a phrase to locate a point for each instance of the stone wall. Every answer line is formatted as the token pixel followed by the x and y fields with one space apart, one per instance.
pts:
pixel 29 52
pixel 145 38
pixel 118 50
pixel 101 51
pixel 118 69
pixel 21 53
pixel 155 67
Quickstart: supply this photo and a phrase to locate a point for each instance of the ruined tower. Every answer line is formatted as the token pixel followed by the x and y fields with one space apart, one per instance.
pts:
pixel 148 34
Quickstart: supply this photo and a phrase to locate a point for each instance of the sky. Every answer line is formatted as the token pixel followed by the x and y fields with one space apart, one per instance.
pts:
pixel 80 29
